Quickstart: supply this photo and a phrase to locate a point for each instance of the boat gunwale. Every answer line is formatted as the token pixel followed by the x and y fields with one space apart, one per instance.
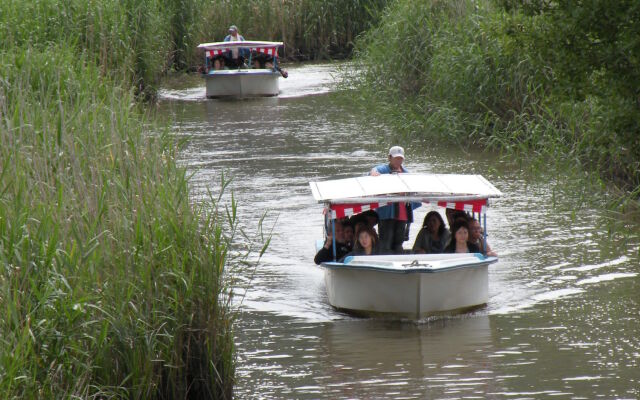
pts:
pixel 334 265
pixel 236 72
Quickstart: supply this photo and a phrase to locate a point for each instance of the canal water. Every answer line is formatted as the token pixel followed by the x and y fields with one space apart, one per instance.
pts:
pixel 563 318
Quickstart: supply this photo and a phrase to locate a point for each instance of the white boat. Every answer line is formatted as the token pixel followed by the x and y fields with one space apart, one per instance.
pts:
pixel 408 285
pixel 242 82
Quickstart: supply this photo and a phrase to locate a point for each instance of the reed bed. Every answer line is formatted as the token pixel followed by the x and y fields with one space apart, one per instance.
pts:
pixel 113 282
pixel 462 71
pixel 310 29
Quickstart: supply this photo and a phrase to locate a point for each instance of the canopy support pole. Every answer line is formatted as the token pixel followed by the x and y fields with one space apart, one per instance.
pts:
pixel 333 237
pixel 484 235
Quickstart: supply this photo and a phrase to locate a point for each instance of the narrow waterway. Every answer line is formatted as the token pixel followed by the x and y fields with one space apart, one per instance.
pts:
pixel 563 319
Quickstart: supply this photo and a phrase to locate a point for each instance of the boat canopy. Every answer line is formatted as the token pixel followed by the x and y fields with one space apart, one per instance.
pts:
pixel 351 196
pixel 216 48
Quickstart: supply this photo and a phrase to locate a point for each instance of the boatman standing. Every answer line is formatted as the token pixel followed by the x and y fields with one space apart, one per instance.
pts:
pixel 394 219
pixel 237 56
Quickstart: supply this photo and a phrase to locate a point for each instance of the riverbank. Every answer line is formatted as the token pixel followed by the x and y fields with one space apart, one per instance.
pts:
pixel 499 76
pixel 112 282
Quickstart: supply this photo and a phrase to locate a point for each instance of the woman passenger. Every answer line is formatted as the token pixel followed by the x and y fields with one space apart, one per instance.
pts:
pixel 433 237
pixel 460 241
pixel 366 243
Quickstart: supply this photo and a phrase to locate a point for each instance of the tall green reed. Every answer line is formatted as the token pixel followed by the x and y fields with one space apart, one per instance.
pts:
pixel 130 40
pixel 113 282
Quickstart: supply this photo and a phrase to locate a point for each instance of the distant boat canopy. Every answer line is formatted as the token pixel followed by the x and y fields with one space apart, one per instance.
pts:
pixel 217 48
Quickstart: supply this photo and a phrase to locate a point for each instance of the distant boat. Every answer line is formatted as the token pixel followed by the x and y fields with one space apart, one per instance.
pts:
pixel 245 81
pixel 409 285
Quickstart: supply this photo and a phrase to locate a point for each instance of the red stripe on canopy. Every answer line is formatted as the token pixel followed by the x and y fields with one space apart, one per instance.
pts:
pixel 345 210
pixel 477 206
pixel 272 51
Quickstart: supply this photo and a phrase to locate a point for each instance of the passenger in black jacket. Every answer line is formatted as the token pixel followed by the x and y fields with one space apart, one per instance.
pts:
pixel 326 252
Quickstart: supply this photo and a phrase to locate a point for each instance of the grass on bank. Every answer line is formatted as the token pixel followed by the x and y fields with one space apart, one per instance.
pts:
pixel 112 281
pixel 471 72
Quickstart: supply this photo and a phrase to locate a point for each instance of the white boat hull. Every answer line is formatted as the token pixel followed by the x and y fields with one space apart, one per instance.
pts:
pixel 242 83
pixel 433 284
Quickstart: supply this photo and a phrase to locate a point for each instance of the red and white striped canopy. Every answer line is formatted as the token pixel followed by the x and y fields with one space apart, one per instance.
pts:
pixel 216 48
pixel 345 197
pixel 272 51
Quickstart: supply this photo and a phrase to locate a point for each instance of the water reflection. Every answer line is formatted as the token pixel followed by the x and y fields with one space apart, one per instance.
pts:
pixel 439 358
pixel 562 318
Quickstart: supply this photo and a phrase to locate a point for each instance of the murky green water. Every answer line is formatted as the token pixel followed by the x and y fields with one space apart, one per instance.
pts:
pixel 563 319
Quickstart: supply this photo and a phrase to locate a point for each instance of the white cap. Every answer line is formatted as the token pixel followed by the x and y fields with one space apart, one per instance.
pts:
pixel 396 151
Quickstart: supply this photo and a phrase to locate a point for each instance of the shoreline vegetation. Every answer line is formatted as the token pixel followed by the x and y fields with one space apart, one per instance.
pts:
pixel 556 84
pixel 114 282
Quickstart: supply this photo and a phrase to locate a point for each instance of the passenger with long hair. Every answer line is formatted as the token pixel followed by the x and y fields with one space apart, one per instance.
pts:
pixel 433 237
pixel 366 243
pixel 460 240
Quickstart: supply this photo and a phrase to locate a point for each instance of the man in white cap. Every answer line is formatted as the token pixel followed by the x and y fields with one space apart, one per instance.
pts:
pixel 394 219
pixel 235 57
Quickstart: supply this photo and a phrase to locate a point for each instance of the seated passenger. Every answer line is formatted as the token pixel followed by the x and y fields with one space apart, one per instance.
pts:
pixel 366 245
pixel 460 240
pixel 477 238
pixel 217 62
pixel 368 218
pixel 453 215
pixel 262 60
pixel 326 252
pixel 433 237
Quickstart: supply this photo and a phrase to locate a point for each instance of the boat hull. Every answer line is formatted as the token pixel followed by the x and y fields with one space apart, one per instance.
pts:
pixel 389 285
pixel 242 83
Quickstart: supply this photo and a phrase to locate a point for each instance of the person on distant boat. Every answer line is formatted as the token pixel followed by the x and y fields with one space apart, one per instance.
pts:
pixel 235 58
pixel 395 219
pixel 433 237
pixel 477 238
pixel 266 61
pixel 217 62
pixel 366 245
pixel 325 254
pixel 460 239
pixel 262 60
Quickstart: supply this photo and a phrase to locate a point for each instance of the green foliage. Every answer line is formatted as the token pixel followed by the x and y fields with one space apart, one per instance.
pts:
pixel 555 81
pixel 591 50
pixel 134 41
pixel 112 283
